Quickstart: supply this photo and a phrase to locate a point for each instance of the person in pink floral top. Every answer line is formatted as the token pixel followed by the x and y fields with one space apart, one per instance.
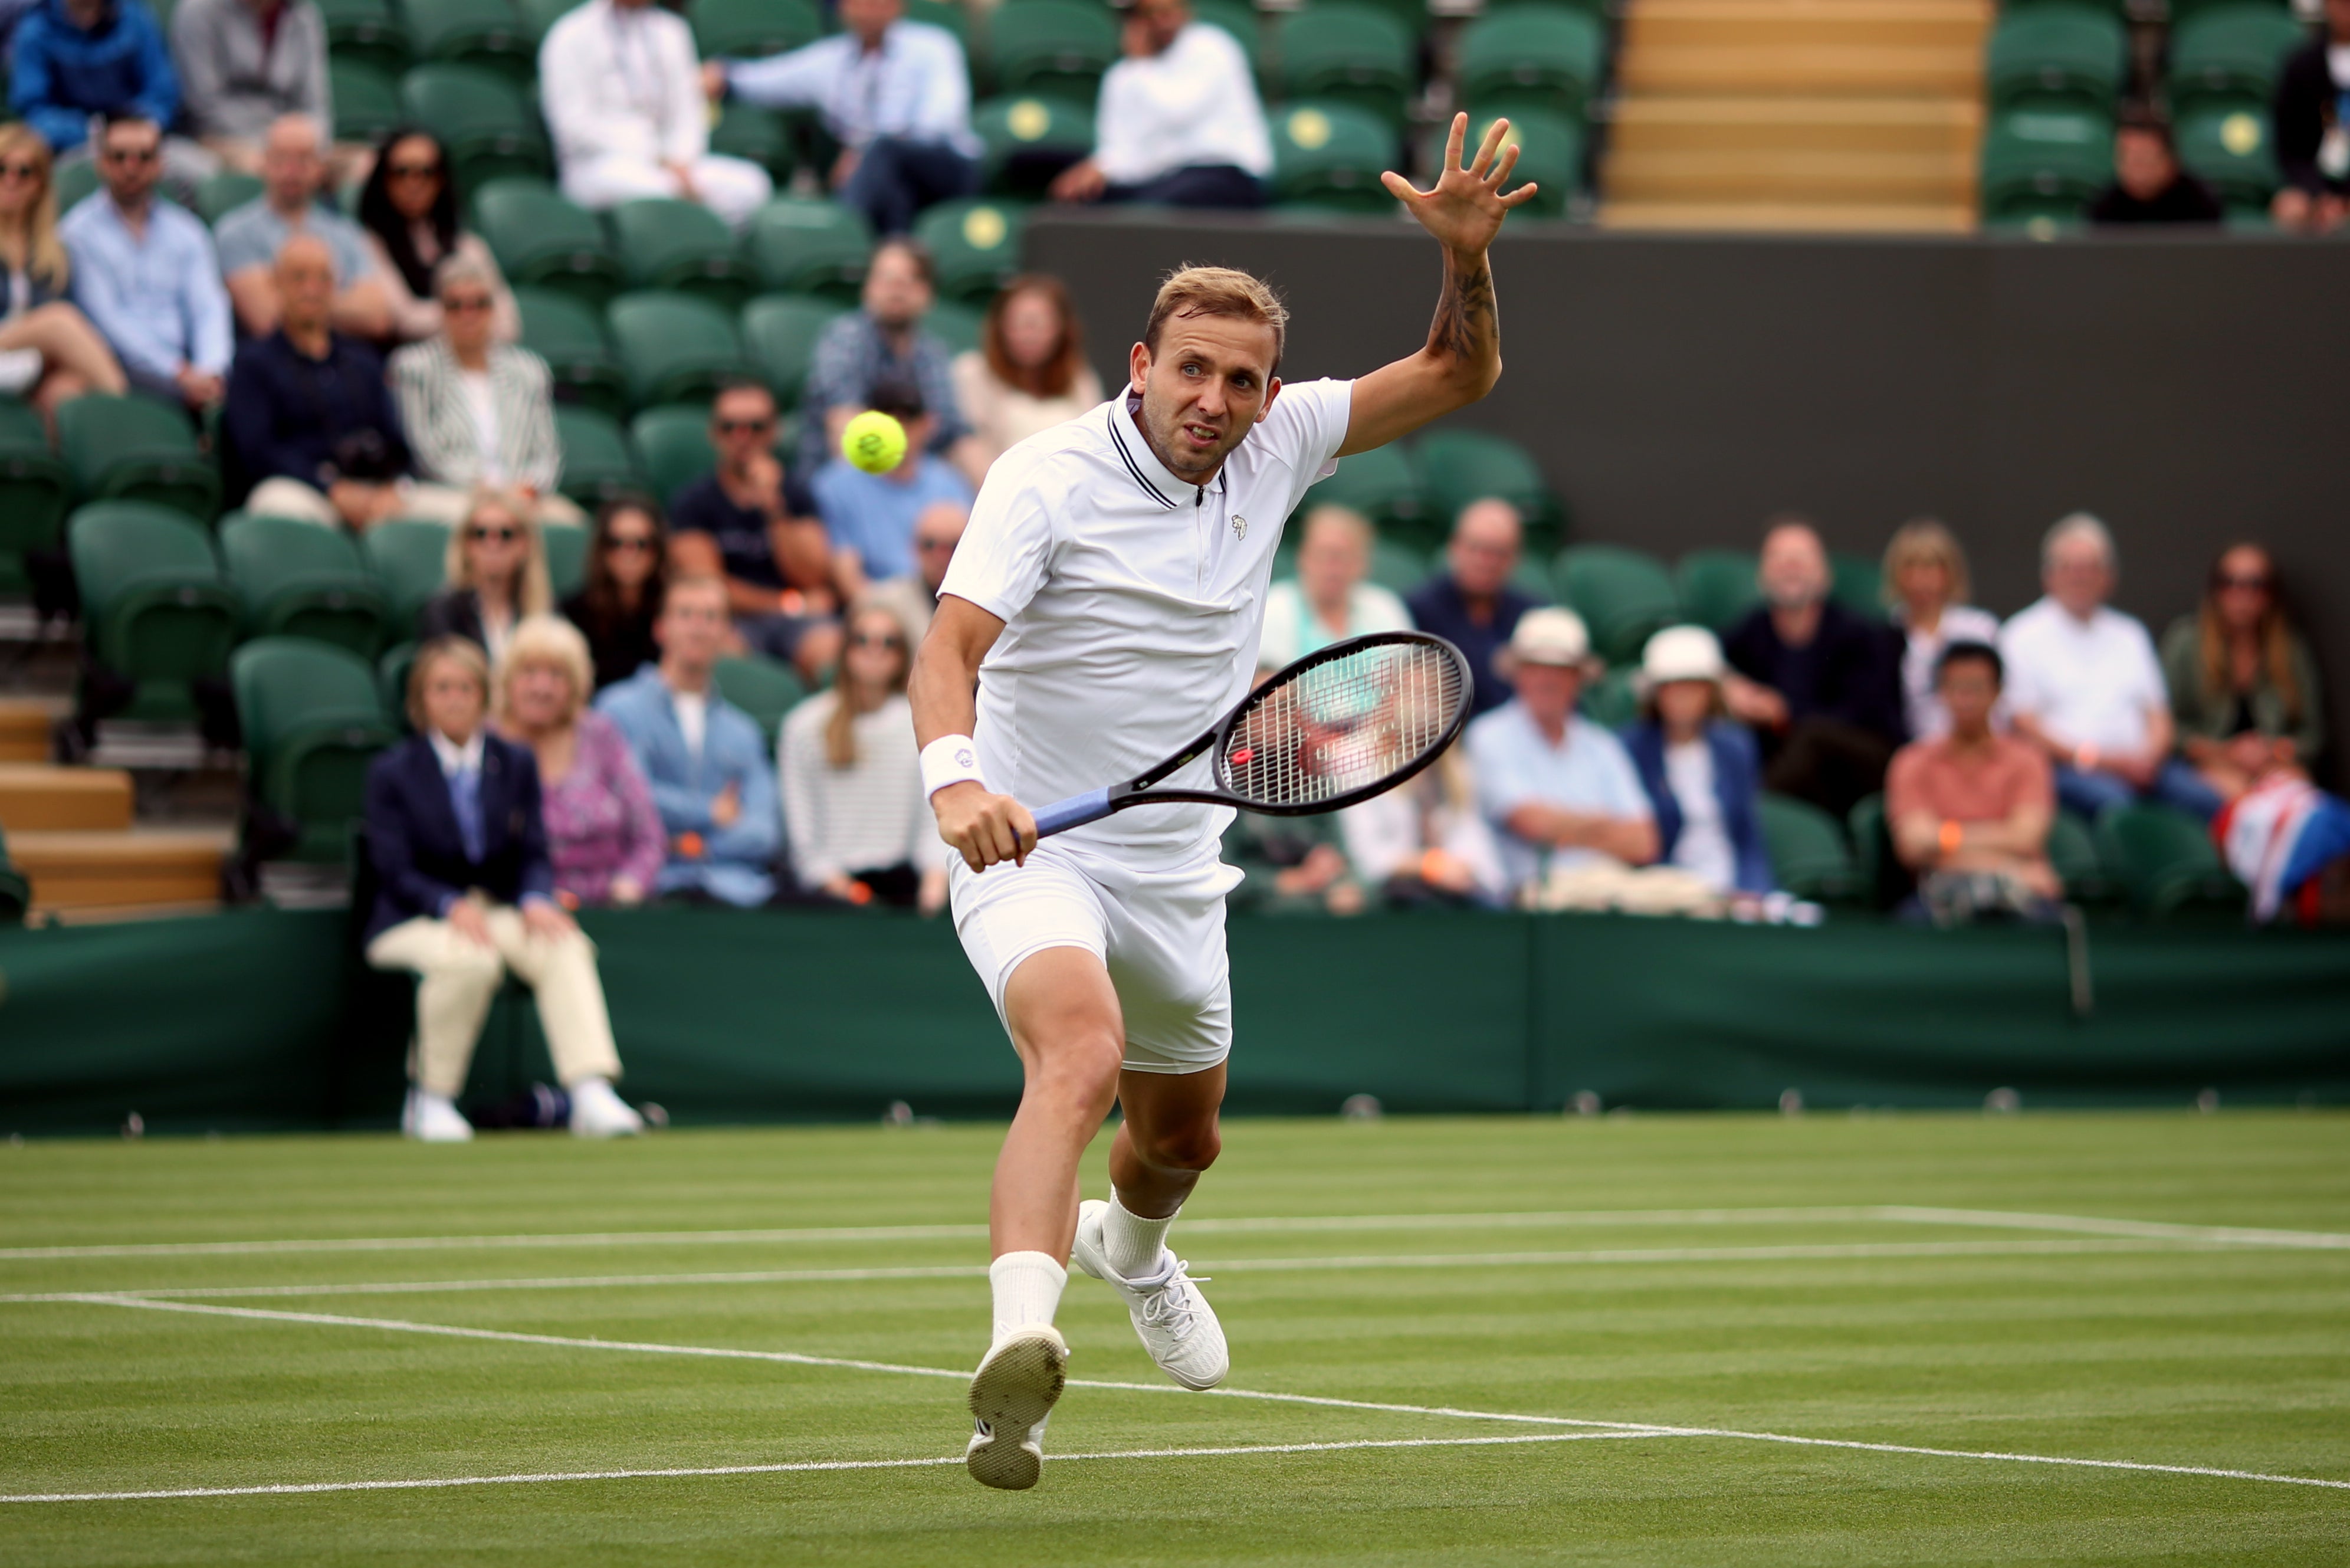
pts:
pixel 602 831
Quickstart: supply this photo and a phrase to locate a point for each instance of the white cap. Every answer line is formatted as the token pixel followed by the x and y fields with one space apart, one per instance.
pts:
pixel 1681 653
pixel 1554 636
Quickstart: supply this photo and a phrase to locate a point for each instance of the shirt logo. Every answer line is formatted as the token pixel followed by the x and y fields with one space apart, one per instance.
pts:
pixel 1240 527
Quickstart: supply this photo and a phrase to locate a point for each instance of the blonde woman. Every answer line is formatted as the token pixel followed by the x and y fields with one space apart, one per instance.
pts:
pixel 855 813
pixel 1926 588
pixel 496 576
pixel 1327 599
pixel 48 350
pixel 603 833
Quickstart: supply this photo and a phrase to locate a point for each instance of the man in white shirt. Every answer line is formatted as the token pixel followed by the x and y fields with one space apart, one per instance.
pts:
pixel 1102 608
pixel 623 94
pixel 1178 123
pixel 895 94
pixel 2084 684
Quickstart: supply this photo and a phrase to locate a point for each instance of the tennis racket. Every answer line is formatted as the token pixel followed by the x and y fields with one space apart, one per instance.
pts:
pixel 1338 726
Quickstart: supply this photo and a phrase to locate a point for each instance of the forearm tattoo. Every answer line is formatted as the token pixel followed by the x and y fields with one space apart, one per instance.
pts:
pixel 1465 314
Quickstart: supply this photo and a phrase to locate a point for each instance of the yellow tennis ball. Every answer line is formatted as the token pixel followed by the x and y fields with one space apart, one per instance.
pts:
pixel 874 442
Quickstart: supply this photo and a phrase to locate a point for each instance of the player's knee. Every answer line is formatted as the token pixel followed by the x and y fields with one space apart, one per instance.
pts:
pixel 1190 1148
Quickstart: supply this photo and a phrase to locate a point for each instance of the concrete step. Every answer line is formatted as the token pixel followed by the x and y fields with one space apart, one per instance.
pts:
pixel 24 730
pixel 1884 125
pixel 37 796
pixel 1790 217
pixel 1771 176
pixel 1800 24
pixel 1802 70
pixel 120 873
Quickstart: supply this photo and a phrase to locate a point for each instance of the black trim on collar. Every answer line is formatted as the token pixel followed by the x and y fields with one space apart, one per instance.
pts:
pixel 1126 457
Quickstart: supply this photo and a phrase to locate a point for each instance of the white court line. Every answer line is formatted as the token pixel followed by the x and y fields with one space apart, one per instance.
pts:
pixel 2223 1235
pixel 1637 1429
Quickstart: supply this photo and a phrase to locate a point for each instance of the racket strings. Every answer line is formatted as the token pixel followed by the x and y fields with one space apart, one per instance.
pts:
pixel 1343 726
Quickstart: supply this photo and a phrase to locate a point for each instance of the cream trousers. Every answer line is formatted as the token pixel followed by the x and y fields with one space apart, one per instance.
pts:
pixel 458 979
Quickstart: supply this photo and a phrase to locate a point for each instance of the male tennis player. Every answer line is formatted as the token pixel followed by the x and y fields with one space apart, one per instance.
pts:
pixel 1104 604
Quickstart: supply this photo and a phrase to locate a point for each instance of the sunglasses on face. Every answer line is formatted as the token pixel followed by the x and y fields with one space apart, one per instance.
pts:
pixel 132 154
pixel 26 170
pixel 744 427
pixel 502 536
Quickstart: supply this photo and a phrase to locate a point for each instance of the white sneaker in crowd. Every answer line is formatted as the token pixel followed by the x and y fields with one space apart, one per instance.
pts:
pixel 20 371
pixel 434 1118
pixel 1011 1395
pixel 598 1112
pixel 1174 1320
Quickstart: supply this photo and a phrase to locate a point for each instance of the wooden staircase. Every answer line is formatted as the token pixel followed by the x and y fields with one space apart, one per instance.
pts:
pixel 1860 114
pixel 71 832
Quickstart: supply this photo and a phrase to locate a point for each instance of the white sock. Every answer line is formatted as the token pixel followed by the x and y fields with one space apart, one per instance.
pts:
pixel 1027 1287
pixel 592 1084
pixel 1131 1242
pixel 427 1100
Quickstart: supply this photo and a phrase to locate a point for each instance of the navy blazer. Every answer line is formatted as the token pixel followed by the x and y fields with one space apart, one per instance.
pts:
pixel 1737 783
pixel 418 852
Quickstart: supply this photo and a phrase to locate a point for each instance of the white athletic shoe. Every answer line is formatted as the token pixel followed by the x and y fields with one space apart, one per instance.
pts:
pixel 598 1112
pixel 1011 1395
pixel 434 1118
pixel 1177 1325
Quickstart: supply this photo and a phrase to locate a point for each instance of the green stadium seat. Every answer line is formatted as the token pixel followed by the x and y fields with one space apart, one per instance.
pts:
pixel 1028 141
pixel 1540 56
pixel 2057 56
pixel 34 493
pixel 489 34
pixel 2229 58
pixel 801 246
pixel 2229 149
pixel 487 127
pixel 1396 567
pixel 681 245
pixel 567 558
pixel 2044 162
pixel 1884 881
pixel 1336 51
pixel 780 331
pixel 365 33
pixel 1329 156
pixel 1717 588
pixel 1624 595
pixel 1411 15
pixel 2073 851
pixel 2164 860
pixel 766 689
pixel 538 16
pixel 955 323
pixel 16 892
pixel 1534 580
pixel 1859 584
pixel 1611 700
pixel 391 682
pixel 674 347
pixel 154 608
pixel 2185 11
pixel 942 13
pixel 1460 466
pixel 1238 19
pixel 543 241
pixel 366 99
pixel 134 448
pixel 223 193
pixel 756 135
pixel 598 465
pixel 1053 48
pixel 674 443
pixel 409 556
pixel 570 337
pixel 1808 853
pixel 74 181
pixel 753 29
pixel 975 245
pixel 1549 153
pixel 295 579
pixel 1381 484
pixel 313 720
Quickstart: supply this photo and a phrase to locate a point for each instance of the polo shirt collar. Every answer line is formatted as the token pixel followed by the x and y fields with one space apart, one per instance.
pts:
pixel 1151 475
pixel 454 758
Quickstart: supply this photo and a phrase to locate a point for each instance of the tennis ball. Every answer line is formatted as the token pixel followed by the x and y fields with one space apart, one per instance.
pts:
pixel 874 442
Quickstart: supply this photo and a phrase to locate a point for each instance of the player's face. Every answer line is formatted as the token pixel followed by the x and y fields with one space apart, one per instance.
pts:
pixel 1210 381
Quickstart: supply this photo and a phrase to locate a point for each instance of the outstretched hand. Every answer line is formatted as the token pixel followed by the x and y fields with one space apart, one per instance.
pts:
pixel 1465 208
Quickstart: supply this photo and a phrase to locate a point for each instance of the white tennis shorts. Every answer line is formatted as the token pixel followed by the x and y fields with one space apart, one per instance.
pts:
pixel 1159 930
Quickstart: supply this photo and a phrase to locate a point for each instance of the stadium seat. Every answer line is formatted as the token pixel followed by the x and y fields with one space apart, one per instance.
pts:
pixel 366 99
pixel 2164 860
pixel 753 29
pixel 1611 700
pixel 567 559
pixel 1549 153
pixel 134 448
pixel 956 324
pixel 756 135
pixel 391 682
pixel 482 122
pixel 365 33
pixel 570 337
pixel 1053 48
pixel 1859 584
pixel 1808 853
pixel 1411 15
pixel 1623 596
pixel 2229 149
pixel 313 720
pixel 673 348
pixel 1336 51
pixel 1396 567
pixel 2073 851
pixel 667 244
pixel 1028 141
pixel 1532 579
pixel 763 688
pixel 34 490
pixel 1330 155
pixel 538 16
pixel 2044 162
pixel 16 892
pixel 543 241
pixel 1460 466
pixel 409 556
pixel 803 245
pixel 1382 485
pixel 73 180
pixel 1238 19
pixel 1540 56
pixel 154 608
pixel 2185 11
pixel 1883 880
pixel 674 444
pixel 2059 56
pixel 2228 59
pixel 489 34
pixel 780 331
pixel 223 193
pixel 1717 586
pixel 598 465
pixel 946 14
pixel 974 245
pixel 295 579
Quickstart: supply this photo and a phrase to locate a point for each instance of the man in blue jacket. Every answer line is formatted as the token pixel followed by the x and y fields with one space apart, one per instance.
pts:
pixel 78 59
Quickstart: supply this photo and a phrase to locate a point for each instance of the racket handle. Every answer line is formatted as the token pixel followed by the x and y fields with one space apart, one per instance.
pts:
pixel 1073 812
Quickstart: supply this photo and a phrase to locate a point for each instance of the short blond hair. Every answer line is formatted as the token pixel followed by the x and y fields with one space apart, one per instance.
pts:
pixel 1345 520
pixel 551 642
pixel 535 590
pixel 1190 291
pixel 462 651
pixel 1923 541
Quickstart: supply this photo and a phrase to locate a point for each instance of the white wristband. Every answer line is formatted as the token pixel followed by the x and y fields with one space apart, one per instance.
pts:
pixel 950 759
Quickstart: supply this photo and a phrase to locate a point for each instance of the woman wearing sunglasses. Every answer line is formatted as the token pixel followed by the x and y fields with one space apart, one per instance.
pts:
pixel 616 608
pixel 409 209
pixel 48 350
pixel 2243 684
pixel 497 576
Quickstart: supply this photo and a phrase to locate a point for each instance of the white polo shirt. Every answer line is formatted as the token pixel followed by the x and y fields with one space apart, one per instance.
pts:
pixel 1131 602
pixel 2090 681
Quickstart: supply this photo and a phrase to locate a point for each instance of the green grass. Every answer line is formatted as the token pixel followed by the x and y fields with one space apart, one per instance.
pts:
pixel 2154 1350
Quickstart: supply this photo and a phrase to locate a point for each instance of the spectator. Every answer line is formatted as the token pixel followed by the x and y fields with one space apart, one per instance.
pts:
pixel 938 529
pixel 478 411
pixel 1424 841
pixel 310 427
pixel 884 342
pixel 869 518
pixel 1327 599
pixel 466 892
pixel 1703 773
pixel 2312 132
pixel 1927 586
pixel 1558 790
pixel 48 350
pixel 736 522
pixel 855 815
pixel 603 835
pixel 1821 686
pixel 623 96
pixel 408 210
pixel 77 59
pixel 244 64
pixel 1970 809
pixel 2149 187
pixel 1472 603
pixel 496 576
pixel 1290 866
pixel 616 607
pixel 1180 123
pixel 704 756
pixel 2084 686
pixel 145 275
pixel 2243 684
pixel 1029 372
pixel 896 96
pixel 293 173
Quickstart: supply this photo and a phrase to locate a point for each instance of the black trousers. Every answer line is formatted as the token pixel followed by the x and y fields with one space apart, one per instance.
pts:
pixel 1205 185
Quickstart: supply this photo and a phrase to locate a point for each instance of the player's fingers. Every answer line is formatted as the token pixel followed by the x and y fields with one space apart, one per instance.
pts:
pixel 1452 140
pixel 1488 146
pixel 1025 826
pixel 971 857
pixel 1522 196
pixel 1503 165
pixel 1401 189
pixel 1002 842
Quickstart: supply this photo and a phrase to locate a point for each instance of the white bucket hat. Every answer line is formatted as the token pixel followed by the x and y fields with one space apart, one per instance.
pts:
pixel 1680 653
pixel 1552 637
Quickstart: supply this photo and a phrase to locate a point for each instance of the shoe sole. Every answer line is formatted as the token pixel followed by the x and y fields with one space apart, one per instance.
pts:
pixel 1015 1387
pixel 1096 1263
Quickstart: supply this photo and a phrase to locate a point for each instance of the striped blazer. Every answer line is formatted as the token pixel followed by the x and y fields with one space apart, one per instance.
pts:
pixel 440 423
